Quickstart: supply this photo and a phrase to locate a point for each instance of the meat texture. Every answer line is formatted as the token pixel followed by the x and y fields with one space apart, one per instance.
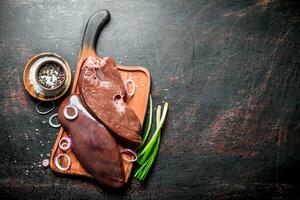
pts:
pixel 92 144
pixel 104 94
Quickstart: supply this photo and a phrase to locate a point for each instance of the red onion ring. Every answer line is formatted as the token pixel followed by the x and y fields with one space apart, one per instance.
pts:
pixel 70 117
pixel 46 163
pixel 61 144
pixel 44 112
pixel 50 121
pixel 133 87
pixel 57 162
pixel 129 151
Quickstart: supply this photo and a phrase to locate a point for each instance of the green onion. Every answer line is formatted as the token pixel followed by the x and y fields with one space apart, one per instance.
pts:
pixel 147 149
pixel 158 113
pixel 148 154
pixel 150 121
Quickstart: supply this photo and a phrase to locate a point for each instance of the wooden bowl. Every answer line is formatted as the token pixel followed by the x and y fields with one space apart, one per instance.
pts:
pixel 31 84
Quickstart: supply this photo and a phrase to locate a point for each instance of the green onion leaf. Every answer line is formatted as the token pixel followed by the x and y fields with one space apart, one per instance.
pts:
pixel 147 149
pixel 150 121
pixel 148 154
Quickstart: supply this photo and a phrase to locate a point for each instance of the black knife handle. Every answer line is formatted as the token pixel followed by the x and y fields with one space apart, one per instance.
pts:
pixel 92 30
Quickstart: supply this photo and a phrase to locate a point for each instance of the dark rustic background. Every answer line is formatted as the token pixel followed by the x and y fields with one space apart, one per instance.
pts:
pixel 229 69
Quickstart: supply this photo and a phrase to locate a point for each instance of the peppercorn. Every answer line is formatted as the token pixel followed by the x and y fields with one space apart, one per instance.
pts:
pixel 51 75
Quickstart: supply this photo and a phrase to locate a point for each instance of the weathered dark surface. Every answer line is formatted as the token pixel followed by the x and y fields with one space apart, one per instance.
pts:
pixel 230 70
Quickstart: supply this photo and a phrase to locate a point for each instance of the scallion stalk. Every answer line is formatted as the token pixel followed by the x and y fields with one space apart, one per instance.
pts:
pixel 150 121
pixel 148 154
pixel 147 149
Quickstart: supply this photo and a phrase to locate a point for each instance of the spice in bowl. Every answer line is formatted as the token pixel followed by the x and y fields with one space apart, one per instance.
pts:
pixel 51 76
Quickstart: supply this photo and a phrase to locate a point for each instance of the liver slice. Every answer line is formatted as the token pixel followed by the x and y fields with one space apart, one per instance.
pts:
pixel 104 94
pixel 93 145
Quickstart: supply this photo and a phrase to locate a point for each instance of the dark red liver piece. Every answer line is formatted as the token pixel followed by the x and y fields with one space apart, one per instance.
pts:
pixel 104 94
pixel 93 145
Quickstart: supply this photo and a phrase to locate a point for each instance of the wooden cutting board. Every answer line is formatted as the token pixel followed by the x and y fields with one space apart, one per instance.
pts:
pixel 138 102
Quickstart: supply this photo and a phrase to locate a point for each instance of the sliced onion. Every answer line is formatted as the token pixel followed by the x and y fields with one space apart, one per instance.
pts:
pixel 44 112
pixel 50 121
pixel 70 117
pixel 133 87
pixel 64 143
pixel 46 163
pixel 56 161
pixel 131 152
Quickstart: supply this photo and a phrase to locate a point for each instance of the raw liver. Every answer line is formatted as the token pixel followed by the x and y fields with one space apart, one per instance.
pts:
pixel 93 145
pixel 104 94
